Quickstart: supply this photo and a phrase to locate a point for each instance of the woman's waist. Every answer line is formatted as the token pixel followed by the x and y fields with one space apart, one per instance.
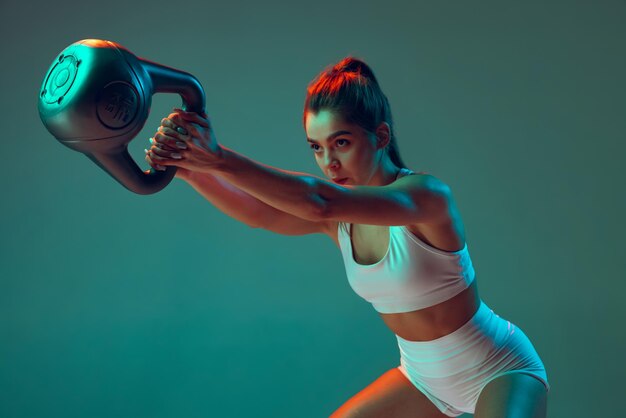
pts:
pixel 435 321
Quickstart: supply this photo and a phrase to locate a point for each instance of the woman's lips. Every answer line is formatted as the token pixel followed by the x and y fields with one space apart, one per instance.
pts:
pixel 341 181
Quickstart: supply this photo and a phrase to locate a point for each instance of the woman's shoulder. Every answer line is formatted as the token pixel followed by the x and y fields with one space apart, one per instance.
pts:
pixel 448 232
pixel 407 172
pixel 427 177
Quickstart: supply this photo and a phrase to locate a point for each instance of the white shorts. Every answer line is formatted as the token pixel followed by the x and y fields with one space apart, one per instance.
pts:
pixel 452 370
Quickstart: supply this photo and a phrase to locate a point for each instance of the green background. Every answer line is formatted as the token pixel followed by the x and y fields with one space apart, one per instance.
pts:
pixel 114 304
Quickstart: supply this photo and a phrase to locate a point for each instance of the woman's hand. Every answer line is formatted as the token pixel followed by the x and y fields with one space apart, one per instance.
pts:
pixel 181 173
pixel 184 140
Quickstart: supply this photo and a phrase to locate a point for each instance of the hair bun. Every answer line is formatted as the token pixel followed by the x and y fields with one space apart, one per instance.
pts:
pixel 352 64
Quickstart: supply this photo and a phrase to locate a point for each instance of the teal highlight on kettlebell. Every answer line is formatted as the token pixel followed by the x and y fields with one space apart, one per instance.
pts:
pixel 96 97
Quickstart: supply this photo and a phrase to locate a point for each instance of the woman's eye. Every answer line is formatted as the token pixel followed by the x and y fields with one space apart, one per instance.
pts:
pixel 345 141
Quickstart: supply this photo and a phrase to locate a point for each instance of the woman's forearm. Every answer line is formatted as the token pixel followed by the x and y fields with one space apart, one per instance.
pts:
pixel 230 200
pixel 291 192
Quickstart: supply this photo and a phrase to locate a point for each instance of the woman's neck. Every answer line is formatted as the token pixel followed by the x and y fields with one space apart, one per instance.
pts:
pixel 385 175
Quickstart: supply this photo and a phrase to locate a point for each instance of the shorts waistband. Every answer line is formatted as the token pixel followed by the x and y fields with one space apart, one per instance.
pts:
pixel 474 326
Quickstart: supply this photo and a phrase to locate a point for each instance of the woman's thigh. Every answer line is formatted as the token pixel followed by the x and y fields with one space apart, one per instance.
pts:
pixel 392 395
pixel 513 395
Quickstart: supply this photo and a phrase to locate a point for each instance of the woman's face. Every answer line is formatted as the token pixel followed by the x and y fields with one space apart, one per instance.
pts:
pixel 342 150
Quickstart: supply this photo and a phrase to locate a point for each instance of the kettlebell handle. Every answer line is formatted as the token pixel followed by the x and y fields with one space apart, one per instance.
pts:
pixel 119 163
pixel 170 80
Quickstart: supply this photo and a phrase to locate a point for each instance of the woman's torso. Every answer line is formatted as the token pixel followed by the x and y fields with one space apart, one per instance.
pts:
pixel 370 243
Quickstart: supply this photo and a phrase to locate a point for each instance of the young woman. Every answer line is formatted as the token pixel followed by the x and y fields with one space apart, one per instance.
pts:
pixel 402 241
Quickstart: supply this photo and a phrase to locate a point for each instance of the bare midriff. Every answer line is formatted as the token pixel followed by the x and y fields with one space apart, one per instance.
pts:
pixel 435 321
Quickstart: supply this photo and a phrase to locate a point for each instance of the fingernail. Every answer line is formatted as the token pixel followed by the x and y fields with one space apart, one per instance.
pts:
pixel 160 167
pixel 151 140
pixel 181 145
pixel 181 130
pixel 176 155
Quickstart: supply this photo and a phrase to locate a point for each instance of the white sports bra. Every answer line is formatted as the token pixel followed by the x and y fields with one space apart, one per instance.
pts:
pixel 412 275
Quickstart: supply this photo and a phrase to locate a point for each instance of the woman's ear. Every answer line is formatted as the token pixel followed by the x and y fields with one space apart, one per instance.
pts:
pixel 383 135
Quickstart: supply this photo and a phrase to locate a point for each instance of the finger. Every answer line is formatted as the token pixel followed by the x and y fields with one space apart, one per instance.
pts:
pixel 173 139
pixel 193 130
pixel 201 120
pixel 174 126
pixel 176 133
pixel 160 155
pixel 165 141
pixel 201 113
pixel 177 119
pixel 176 123
pixel 154 165
pixel 163 144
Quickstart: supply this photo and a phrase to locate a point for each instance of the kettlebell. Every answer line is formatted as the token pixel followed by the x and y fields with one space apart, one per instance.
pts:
pixel 96 97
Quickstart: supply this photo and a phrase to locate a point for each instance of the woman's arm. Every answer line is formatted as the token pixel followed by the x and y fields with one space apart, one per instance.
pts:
pixel 247 209
pixel 290 192
pixel 230 200
pixel 409 200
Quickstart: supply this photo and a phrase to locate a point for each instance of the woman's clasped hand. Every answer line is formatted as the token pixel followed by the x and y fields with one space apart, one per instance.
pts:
pixel 185 140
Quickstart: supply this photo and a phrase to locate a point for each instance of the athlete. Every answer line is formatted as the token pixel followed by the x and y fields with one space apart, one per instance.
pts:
pixel 402 241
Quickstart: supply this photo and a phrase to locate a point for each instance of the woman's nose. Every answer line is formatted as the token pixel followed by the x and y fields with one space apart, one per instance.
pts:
pixel 332 164
pixel 330 161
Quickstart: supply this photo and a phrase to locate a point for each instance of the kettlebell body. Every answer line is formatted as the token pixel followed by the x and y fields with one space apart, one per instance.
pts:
pixel 96 97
